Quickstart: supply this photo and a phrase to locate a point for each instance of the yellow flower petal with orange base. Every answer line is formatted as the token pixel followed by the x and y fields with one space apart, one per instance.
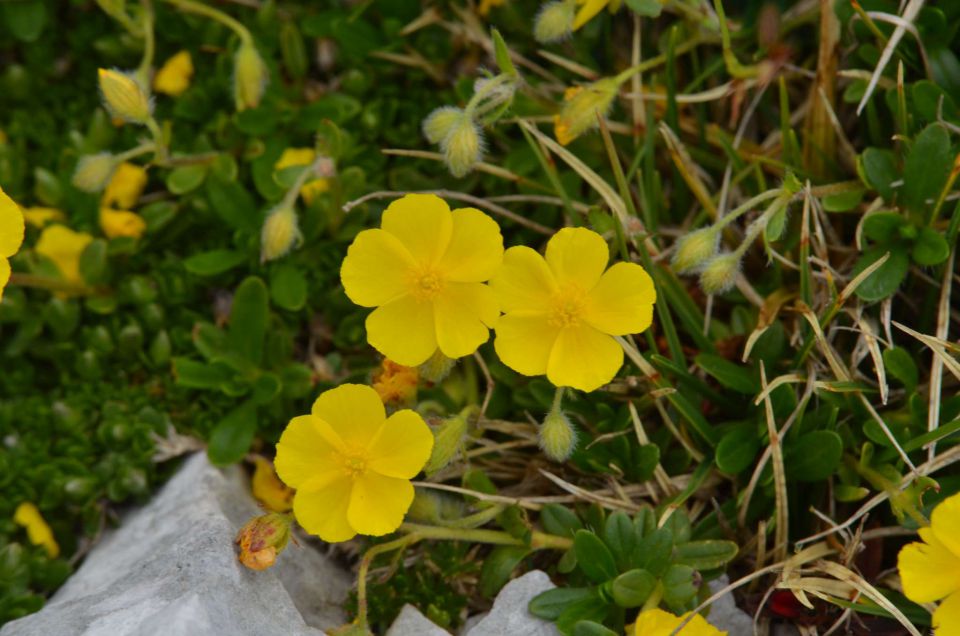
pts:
pixel 656 622
pixel 946 619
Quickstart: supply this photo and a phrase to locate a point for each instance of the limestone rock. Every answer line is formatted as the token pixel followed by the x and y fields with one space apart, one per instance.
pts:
pixel 509 613
pixel 411 622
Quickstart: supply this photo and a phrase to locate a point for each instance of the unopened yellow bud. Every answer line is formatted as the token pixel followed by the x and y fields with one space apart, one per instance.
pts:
pixel 447 443
pixel 250 76
pixel 121 223
pixel 94 171
pixel 430 506
pixel 558 438
pixel 440 122
pixel 693 250
pixel 124 97
pixel 462 147
pixel 582 107
pixel 554 22
pixel 262 539
pixel 720 273
pixel 280 233
pixel 436 368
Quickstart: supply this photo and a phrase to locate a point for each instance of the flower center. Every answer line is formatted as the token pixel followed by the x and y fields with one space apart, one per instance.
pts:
pixel 353 463
pixel 425 282
pixel 566 307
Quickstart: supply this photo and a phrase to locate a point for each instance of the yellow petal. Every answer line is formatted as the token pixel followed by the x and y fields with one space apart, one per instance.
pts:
pixel 354 411
pixel 121 223
pixel 524 341
pixel 323 511
pixel 39 216
pixel 312 189
pixel 577 256
pixel 11 226
pixel 39 533
pixel 63 246
pixel 476 247
pixel 305 450
pixel 267 487
pixel 656 622
pixel 423 224
pixel 524 282
pixel 125 187
pixel 403 330
pixel 464 314
pixel 4 274
pixel 378 503
pixel 946 620
pixel 375 271
pixel 622 302
pixel 928 571
pixel 583 358
pixel 174 76
pixel 589 9
pixel 945 522
pixel 295 157
pixel 402 447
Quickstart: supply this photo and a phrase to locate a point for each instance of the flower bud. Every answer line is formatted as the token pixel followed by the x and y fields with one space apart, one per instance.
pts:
pixel 262 539
pixel 462 147
pixel 558 438
pixel 436 368
pixel 554 22
pixel 94 171
pixel 121 223
pixel 440 122
pixel 582 105
pixel 430 506
pixel 720 273
pixel 447 442
pixel 124 97
pixel 250 76
pixel 693 249
pixel 395 383
pixel 281 231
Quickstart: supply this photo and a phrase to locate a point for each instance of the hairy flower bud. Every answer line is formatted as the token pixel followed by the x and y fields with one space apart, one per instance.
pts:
pixel 262 539
pixel 250 76
pixel 124 97
pixel 693 249
pixel 462 147
pixel 554 22
pixel 440 122
pixel 581 107
pixel 447 442
pixel 558 438
pixel 436 368
pixel 281 231
pixel 720 273
pixel 93 172
pixel 430 506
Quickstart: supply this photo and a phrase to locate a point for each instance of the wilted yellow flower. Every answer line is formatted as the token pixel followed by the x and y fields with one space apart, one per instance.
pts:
pixel 720 273
pixel 174 76
pixel 124 97
pixel 262 538
pixel 424 272
pixel 303 157
pixel 581 107
pixel 63 246
pixel 694 249
pixel 250 76
pixel 125 187
pixel 94 171
pixel 267 487
pixel 11 235
pixel 39 533
pixel 351 465
pixel 118 223
pixel 280 233
pixel 554 22
pixel 656 622
pixel 930 571
pixel 39 216
pixel 395 383
pixel 561 313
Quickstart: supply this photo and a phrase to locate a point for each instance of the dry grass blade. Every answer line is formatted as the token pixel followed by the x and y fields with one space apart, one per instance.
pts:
pixel 688 169
pixel 936 365
pixel 779 474
pixel 909 14
pixel 937 345
pixel 839 371
pixel 870 337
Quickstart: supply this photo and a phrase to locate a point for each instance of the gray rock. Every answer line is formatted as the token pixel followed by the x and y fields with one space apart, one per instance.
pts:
pixel 170 570
pixel 509 613
pixel 724 613
pixel 411 622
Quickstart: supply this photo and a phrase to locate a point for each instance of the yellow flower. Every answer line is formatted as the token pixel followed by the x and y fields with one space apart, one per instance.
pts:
pixel 562 312
pixel 11 235
pixel 125 187
pixel 486 5
pixel 124 97
pixel 38 531
pixel 591 8
pixel 117 223
pixel 395 383
pixel 38 217
pixel 173 78
pixel 581 107
pixel 303 157
pixel 351 465
pixel 930 570
pixel 424 272
pixel 267 487
pixel 656 622
pixel 63 246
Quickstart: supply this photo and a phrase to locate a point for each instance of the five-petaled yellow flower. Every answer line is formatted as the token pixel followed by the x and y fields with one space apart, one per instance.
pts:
pixel 351 464
pixel 424 272
pixel 562 312
pixel 656 622
pixel 174 76
pixel 930 570
pixel 11 235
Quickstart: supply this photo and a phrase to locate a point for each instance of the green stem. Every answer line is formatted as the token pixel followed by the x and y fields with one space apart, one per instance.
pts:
pixel 898 498
pixel 136 151
pixel 159 147
pixel 149 44
pixel 473 108
pixel 52 284
pixel 191 6
pixel 538 540
pixel 396 544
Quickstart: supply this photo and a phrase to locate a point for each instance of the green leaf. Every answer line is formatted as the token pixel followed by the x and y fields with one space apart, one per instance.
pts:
pixel 927 168
pixel 559 520
pixel 844 201
pixel 248 319
pixel 879 171
pixel 730 374
pixel 25 19
pixel 621 537
pixel 233 204
pixel 590 628
pixel 288 287
pixel 266 388
pixel 498 566
pixel 591 609
pixel 94 268
pixel 654 551
pixel 186 178
pixel 883 227
pixel 883 282
pixel 645 8
pixel 775 226
pixel 632 588
pixel 231 438
pixel 502 54
pixel 705 555
pixel 737 449
pixel 594 557
pixel 679 585
pixel 899 363
pixel 550 604
pixel 813 457
pixel 929 248
pixel 214 262
pixel 199 375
